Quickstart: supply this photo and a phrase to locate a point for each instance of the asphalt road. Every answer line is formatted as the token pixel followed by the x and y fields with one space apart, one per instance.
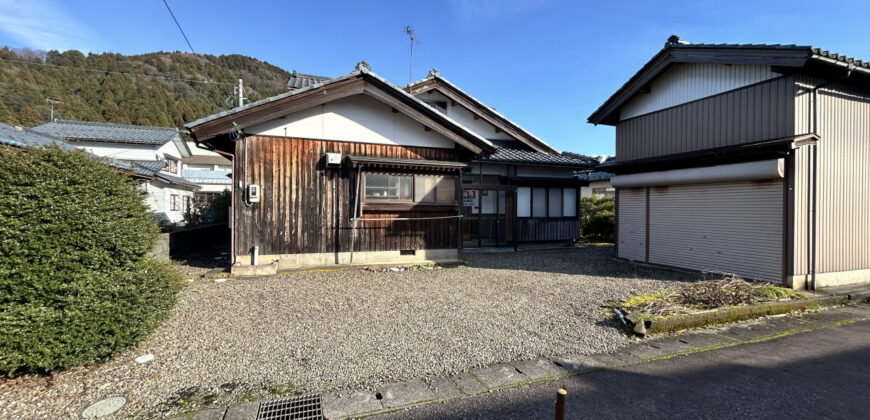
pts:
pixel 818 374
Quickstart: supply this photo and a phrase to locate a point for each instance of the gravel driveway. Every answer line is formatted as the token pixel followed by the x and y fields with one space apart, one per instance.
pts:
pixel 249 339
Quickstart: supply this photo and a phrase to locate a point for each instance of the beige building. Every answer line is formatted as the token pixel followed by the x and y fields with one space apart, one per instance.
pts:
pixel 746 159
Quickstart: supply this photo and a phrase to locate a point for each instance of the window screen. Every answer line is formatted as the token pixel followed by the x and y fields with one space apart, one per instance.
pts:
pixel 539 202
pixel 569 202
pixel 524 201
pixel 555 208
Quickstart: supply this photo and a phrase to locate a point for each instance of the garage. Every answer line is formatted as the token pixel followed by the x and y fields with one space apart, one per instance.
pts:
pixel 707 219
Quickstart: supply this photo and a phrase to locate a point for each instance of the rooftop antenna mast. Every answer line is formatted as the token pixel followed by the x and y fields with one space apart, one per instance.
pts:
pixel 410 31
pixel 52 103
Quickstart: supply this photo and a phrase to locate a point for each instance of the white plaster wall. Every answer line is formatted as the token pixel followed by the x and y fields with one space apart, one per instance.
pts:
pixel 357 118
pixel 157 199
pixel 213 188
pixel 686 82
pixel 123 151
pixel 465 117
pixel 586 191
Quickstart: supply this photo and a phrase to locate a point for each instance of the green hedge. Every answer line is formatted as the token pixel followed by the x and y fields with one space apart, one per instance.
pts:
pixel 75 286
pixel 597 219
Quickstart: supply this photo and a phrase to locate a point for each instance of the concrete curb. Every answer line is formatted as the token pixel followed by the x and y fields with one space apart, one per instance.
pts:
pixel 739 313
pixel 501 377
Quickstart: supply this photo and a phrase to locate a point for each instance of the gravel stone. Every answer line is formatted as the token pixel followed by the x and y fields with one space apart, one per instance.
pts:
pixel 354 329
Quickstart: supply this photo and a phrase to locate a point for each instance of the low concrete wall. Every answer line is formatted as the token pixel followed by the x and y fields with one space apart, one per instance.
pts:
pixel 291 261
pixel 183 242
pixel 831 279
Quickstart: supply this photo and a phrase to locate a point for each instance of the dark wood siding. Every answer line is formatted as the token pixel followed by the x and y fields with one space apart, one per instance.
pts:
pixel 753 113
pixel 540 229
pixel 306 207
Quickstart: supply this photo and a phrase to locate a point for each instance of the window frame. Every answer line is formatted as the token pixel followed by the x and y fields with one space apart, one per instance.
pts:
pixel 173 202
pixel 406 204
pixel 547 202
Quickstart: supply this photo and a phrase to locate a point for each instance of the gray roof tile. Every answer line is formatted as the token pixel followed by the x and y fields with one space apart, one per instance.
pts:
pixel 21 137
pixel 109 132
pixel 301 80
pixel 207 177
pixel 513 155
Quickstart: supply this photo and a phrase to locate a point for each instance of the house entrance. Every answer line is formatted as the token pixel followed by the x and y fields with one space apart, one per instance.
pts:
pixel 488 217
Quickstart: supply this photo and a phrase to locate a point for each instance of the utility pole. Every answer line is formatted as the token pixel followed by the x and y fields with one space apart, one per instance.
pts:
pixel 241 94
pixel 51 103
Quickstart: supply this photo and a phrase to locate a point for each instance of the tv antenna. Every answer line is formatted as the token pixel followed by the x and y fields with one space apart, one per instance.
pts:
pixel 52 103
pixel 410 31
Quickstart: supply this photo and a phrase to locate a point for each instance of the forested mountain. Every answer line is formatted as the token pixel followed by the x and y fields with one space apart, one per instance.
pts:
pixel 161 88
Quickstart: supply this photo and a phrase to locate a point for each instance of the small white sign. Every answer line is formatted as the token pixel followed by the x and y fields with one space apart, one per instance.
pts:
pixel 469 198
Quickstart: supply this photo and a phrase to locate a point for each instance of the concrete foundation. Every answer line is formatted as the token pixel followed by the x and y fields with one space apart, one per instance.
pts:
pixel 292 261
pixel 831 279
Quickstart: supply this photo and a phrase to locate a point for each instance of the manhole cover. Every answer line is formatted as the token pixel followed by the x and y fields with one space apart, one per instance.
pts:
pixel 104 407
pixel 306 407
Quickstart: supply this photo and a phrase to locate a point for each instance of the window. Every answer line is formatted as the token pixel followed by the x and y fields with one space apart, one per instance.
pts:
pixel 171 166
pixel 173 202
pixel 539 202
pixel 608 192
pixel 524 201
pixel 569 202
pixel 546 202
pixel 410 188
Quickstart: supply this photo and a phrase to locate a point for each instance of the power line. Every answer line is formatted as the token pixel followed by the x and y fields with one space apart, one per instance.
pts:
pixel 172 79
pixel 179 26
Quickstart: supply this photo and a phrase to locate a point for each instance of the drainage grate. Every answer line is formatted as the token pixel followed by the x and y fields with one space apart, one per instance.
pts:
pixel 306 407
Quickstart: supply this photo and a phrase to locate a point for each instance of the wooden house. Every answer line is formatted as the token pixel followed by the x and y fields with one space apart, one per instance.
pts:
pixel 354 170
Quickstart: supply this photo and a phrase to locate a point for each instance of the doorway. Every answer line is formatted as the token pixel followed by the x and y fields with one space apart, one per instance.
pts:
pixel 488 218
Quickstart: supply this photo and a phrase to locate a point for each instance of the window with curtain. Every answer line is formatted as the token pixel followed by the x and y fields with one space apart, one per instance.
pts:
pixel 524 202
pixel 410 188
pixel 555 200
pixel 539 202
pixel 546 202
pixel 569 202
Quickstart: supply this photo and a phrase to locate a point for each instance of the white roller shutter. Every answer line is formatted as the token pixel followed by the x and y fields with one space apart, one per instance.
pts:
pixel 733 227
pixel 631 225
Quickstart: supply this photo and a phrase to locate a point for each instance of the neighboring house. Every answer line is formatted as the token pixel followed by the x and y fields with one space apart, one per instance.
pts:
pixel 301 80
pixel 598 182
pixel 526 191
pixel 357 170
pixel 747 159
pixel 153 153
pixel 210 171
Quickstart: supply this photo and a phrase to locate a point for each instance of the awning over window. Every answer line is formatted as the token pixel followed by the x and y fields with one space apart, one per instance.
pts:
pixel 397 163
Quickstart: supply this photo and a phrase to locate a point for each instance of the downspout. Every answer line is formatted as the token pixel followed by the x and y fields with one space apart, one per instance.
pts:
pixel 815 176
pixel 232 159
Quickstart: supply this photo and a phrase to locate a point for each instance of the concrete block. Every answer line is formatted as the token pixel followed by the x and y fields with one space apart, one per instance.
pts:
pixel 212 414
pixel 337 405
pixel 539 368
pixel 400 394
pixel 247 411
pixel 255 270
pixel 577 363
pixel 444 388
pixel 497 376
pixel 468 384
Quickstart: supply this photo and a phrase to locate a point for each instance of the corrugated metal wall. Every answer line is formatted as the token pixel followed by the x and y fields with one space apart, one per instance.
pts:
pixel 843 177
pixel 632 224
pixel 733 227
pixel 753 113
pixel 685 82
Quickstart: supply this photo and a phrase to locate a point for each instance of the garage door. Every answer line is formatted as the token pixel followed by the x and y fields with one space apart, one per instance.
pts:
pixel 631 226
pixel 733 227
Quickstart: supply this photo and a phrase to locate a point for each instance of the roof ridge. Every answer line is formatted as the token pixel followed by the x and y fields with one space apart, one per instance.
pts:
pixel 111 124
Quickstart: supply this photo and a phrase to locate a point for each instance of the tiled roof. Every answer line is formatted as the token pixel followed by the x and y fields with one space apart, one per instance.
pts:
pixel 21 137
pixel 594 176
pixel 207 177
pixel 677 43
pixel 301 80
pixel 116 133
pixel 172 179
pixel 207 160
pixel 141 167
pixel 513 155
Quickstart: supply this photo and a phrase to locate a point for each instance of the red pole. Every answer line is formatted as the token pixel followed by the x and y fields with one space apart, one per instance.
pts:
pixel 560 403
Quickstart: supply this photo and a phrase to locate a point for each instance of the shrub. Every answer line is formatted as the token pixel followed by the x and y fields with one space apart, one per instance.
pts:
pixel 74 284
pixel 597 219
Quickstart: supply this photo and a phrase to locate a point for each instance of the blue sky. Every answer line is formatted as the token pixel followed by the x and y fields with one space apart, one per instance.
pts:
pixel 546 64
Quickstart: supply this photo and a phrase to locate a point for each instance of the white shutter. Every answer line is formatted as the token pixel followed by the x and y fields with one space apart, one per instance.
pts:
pixel 632 224
pixel 733 227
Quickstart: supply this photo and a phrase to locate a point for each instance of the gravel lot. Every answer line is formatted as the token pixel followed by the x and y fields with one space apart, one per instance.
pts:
pixel 251 339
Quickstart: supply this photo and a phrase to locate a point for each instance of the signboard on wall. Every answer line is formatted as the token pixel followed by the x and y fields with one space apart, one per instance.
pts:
pixel 469 198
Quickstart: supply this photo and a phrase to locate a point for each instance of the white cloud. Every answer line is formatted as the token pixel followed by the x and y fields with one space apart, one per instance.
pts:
pixel 43 24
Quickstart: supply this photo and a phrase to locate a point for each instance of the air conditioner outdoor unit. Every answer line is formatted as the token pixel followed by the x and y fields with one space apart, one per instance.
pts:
pixel 333 159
